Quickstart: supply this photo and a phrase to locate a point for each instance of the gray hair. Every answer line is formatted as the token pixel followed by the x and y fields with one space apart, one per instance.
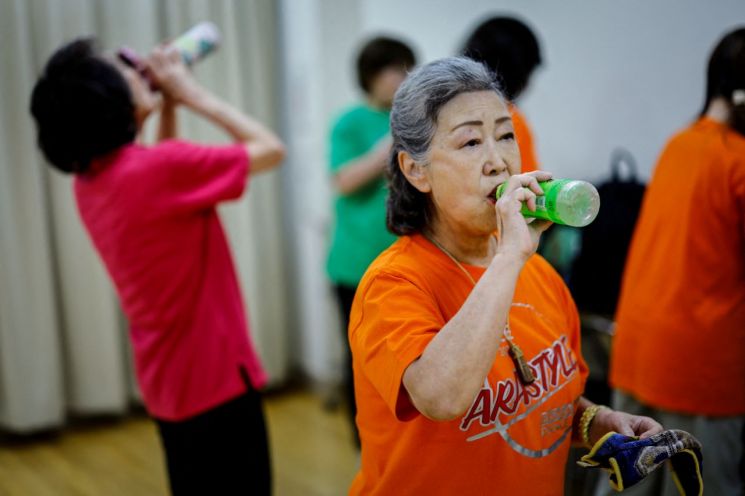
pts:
pixel 416 106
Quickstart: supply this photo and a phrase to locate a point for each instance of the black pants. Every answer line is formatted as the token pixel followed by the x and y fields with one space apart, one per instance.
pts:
pixel 221 451
pixel 345 295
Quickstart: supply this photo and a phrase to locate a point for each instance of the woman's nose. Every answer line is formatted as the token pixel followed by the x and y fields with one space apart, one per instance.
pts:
pixel 494 163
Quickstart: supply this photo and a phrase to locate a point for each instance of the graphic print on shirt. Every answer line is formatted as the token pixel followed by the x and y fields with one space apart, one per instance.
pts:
pixel 502 404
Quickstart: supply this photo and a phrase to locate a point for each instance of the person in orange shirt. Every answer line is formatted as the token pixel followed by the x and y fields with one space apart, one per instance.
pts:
pixel 467 365
pixel 679 350
pixel 509 48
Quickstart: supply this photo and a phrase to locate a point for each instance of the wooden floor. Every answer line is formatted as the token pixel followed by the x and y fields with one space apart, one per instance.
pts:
pixel 312 453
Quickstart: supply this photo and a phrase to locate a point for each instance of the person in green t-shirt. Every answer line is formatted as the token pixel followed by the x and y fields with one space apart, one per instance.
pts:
pixel 359 151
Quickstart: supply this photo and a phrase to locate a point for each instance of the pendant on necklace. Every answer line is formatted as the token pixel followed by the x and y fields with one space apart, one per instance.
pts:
pixel 524 372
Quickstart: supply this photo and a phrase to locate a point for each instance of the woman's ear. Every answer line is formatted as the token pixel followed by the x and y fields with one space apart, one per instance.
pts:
pixel 414 172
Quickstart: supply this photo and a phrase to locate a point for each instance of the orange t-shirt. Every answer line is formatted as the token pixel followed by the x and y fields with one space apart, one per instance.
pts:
pixel 680 334
pixel 513 439
pixel 528 158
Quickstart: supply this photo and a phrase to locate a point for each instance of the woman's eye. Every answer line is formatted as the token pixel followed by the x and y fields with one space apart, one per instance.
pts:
pixel 508 136
pixel 471 143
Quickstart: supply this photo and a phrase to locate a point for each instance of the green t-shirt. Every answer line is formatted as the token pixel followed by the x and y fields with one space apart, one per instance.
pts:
pixel 360 234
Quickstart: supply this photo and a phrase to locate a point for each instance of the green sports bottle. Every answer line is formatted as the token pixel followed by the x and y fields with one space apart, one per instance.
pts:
pixel 565 201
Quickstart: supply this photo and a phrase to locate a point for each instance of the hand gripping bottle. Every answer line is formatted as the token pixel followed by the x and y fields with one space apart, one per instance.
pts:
pixel 195 44
pixel 565 201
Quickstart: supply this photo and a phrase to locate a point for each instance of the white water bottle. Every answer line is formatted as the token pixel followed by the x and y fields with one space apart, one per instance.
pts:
pixel 194 45
pixel 198 42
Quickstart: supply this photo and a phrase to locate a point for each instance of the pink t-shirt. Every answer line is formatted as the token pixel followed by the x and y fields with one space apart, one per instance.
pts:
pixel 150 212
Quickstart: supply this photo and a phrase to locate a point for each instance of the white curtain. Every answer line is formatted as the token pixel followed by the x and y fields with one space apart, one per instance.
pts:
pixel 63 344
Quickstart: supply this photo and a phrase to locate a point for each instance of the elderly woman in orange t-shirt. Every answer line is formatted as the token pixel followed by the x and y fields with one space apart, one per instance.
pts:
pixel 465 344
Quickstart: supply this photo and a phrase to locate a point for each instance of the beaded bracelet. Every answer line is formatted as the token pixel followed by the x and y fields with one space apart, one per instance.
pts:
pixel 585 420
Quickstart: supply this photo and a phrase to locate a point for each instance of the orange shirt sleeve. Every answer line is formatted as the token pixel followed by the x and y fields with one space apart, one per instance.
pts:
pixel 524 137
pixel 392 322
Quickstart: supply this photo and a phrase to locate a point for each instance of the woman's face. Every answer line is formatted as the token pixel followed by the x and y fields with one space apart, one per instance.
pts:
pixel 145 100
pixel 384 85
pixel 473 151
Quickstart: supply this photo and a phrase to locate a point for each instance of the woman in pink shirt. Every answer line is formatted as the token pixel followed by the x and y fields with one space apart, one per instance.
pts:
pixel 150 212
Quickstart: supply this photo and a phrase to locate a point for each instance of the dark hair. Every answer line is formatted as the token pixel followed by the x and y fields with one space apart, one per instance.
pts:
pixel 726 76
pixel 82 106
pixel 379 54
pixel 509 48
pixel 416 106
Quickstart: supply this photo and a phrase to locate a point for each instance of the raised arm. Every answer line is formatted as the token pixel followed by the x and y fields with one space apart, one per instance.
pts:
pixel 445 379
pixel 264 148
pixel 168 123
pixel 364 169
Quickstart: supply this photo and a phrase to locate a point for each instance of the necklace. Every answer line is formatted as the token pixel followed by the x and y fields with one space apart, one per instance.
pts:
pixel 524 372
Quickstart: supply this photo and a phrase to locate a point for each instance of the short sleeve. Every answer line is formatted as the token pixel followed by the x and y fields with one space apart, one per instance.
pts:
pixel 200 176
pixel 392 322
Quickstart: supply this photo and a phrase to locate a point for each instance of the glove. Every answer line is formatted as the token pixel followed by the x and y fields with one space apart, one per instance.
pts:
pixel 630 459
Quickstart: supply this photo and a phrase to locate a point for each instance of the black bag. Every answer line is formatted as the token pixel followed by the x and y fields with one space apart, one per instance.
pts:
pixel 596 273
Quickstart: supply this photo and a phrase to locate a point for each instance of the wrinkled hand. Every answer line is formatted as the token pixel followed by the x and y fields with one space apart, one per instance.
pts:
pixel 167 70
pixel 607 420
pixel 518 235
